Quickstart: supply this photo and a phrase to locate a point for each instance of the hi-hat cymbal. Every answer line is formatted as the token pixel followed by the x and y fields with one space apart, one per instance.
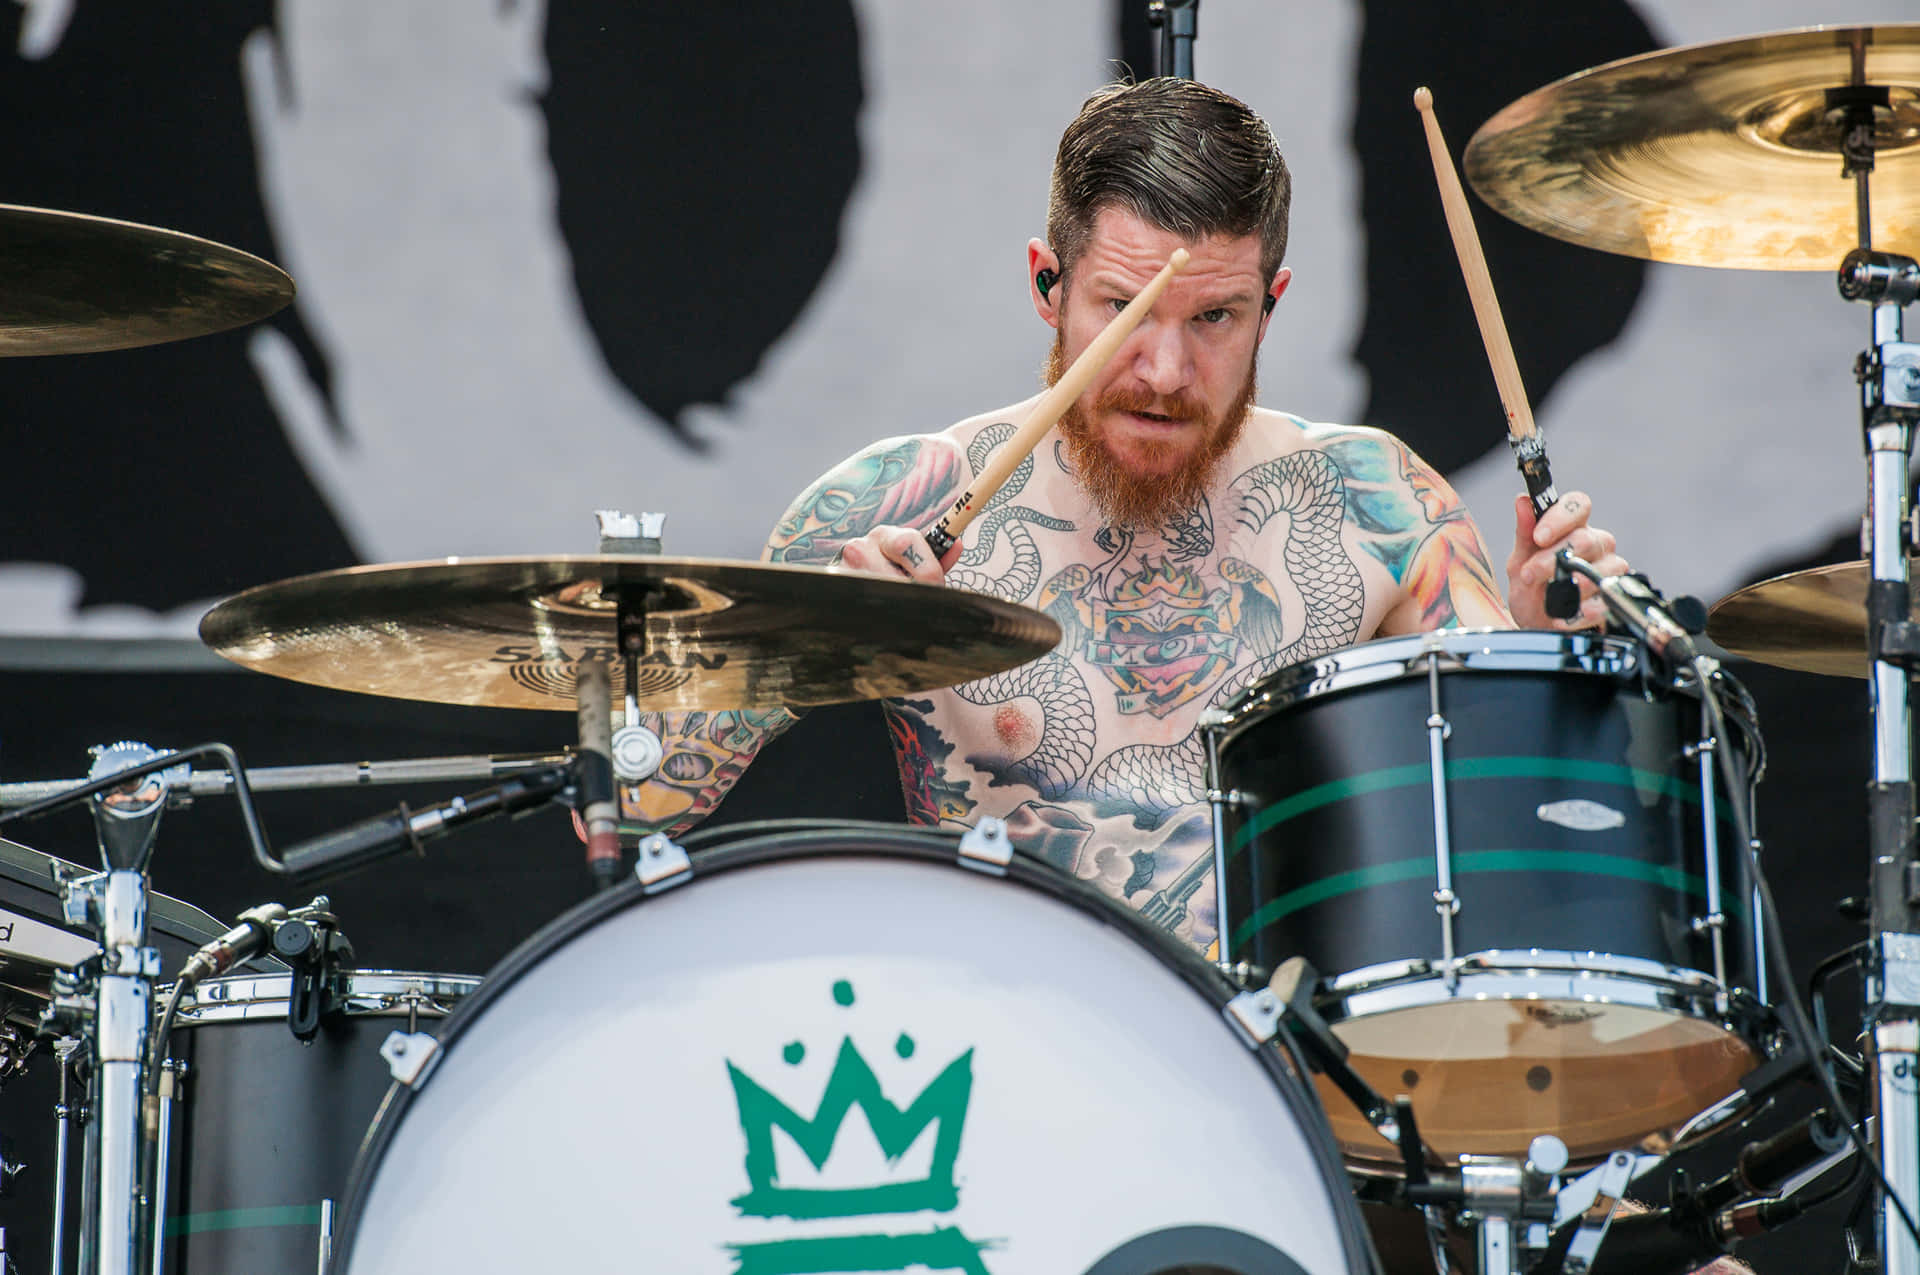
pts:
pixel 1722 154
pixel 509 632
pixel 1814 620
pixel 74 284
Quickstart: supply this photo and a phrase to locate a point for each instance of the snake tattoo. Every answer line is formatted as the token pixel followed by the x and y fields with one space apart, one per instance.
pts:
pixel 1151 781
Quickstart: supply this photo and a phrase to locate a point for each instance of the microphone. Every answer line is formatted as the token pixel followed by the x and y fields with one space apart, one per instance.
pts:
pixel 599 808
pixel 360 844
pixel 1629 597
pixel 249 938
pixel 1703 1226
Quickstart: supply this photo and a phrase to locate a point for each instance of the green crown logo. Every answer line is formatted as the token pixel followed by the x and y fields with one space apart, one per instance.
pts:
pixel 943 1102
pixel 852 1083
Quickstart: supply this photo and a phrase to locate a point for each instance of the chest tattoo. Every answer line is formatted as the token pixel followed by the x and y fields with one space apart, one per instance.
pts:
pixel 1160 630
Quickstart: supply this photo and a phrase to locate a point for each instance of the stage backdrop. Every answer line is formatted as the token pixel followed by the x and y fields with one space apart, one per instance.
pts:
pixel 681 258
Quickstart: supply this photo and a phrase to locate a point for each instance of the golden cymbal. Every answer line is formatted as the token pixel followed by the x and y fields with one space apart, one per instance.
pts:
pixel 74 284
pixel 1813 620
pixel 509 632
pixel 1721 154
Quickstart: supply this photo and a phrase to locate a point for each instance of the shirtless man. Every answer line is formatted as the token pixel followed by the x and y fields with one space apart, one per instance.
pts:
pixel 1188 542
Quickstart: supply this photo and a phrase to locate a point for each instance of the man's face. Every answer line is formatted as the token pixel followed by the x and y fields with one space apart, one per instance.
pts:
pixel 1148 432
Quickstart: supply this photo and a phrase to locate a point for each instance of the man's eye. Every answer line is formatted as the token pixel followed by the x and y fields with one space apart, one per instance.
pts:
pixel 1219 315
pixel 1118 304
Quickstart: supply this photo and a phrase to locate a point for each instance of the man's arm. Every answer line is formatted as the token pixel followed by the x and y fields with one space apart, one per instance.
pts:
pixel 1447 579
pixel 849 511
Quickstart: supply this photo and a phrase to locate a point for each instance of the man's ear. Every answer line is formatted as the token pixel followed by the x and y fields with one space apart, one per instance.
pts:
pixel 1281 278
pixel 1043 282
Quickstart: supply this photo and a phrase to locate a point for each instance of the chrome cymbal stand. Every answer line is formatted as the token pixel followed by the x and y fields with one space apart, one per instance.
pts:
pixel 1889 375
pixel 116 1016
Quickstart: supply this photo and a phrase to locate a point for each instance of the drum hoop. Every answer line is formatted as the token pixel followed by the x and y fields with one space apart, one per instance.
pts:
pixel 244 997
pixel 1502 961
pixel 765 843
pixel 1698 1003
pixel 1397 658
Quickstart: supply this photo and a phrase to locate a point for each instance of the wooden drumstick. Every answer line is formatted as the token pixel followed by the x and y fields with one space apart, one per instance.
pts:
pixel 1052 405
pixel 1529 450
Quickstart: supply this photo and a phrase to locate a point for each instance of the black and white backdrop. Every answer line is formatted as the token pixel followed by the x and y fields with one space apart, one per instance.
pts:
pixel 557 258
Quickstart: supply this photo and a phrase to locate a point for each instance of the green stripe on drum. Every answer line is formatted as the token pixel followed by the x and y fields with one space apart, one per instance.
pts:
pixel 242 1219
pixel 1582 862
pixel 1644 782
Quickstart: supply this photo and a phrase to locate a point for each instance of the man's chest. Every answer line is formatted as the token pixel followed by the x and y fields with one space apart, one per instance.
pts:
pixel 1156 627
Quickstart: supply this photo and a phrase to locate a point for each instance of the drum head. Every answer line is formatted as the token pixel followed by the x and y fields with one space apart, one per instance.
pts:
pixel 1487 1075
pixel 848 1062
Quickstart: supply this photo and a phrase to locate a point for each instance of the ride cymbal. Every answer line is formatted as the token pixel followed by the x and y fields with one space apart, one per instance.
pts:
pixel 509 632
pixel 1814 620
pixel 74 284
pixel 1721 154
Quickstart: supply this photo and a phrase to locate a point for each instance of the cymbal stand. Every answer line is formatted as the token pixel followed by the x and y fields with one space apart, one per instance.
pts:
pixel 1889 375
pixel 114 903
pixel 1178 22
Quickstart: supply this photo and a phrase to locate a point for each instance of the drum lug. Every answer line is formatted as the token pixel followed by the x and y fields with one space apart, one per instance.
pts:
pixel 410 1056
pixel 1258 1013
pixel 985 848
pixel 662 863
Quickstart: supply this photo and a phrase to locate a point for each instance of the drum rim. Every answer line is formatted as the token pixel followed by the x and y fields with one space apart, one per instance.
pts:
pixel 1398 658
pixel 1682 994
pixel 768 842
pixel 198 1009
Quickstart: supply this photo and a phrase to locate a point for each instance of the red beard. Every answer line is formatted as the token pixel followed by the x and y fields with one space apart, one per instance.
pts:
pixel 1162 479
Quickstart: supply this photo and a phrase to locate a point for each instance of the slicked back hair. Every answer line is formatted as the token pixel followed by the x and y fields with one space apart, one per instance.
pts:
pixel 1180 156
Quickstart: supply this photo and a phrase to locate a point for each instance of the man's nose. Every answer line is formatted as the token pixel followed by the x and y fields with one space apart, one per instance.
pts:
pixel 1162 360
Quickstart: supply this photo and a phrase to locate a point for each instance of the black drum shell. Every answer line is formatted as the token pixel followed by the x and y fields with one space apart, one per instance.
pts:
pixel 266 1127
pixel 1330 847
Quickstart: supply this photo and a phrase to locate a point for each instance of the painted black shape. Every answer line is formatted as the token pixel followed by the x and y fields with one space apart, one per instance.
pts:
pixel 1196 1250
pixel 1419 344
pixel 1137 41
pixel 160 474
pixel 704 156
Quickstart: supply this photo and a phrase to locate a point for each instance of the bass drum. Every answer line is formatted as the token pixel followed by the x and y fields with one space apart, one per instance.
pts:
pixel 841 1050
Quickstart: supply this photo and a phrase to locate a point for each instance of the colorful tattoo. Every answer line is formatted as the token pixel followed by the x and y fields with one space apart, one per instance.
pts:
pixel 1413 523
pixel 705 755
pixel 932 796
pixel 904 482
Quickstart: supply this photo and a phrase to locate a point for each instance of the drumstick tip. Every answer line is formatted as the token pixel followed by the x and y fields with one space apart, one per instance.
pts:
pixel 1423 99
pixel 1179 259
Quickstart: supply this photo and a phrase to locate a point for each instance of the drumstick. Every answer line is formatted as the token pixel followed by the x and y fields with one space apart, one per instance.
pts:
pixel 1529 450
pixel 1052 405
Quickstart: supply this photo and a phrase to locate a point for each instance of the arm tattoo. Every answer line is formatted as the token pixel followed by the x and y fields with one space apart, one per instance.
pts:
pixel 922 752
pixel 1413 524
pixel 704 756
pixel 902 481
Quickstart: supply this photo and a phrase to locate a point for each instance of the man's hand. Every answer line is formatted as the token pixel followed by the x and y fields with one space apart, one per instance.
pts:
pixel 898 551
pixel 1530 566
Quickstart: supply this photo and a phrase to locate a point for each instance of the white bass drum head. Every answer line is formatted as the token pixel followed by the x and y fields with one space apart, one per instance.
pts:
pixel 844 1052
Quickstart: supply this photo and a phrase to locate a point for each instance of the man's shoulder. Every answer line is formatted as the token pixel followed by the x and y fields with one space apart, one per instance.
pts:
pixel 906 480
pixel 1356 451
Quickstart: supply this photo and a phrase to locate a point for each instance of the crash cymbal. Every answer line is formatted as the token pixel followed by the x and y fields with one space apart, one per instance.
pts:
pixel 74 284
pixel 1814 620
pixel 1722 154
pixel 509 632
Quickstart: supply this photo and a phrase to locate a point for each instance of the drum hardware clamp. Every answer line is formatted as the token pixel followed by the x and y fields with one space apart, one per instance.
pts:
pixel 661 863
pixel 410 1056
pixel 985 847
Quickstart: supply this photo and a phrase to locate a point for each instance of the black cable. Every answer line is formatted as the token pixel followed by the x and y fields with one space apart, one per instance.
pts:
pixel 242 793
pixel 1817 985
pixel 1795 1015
